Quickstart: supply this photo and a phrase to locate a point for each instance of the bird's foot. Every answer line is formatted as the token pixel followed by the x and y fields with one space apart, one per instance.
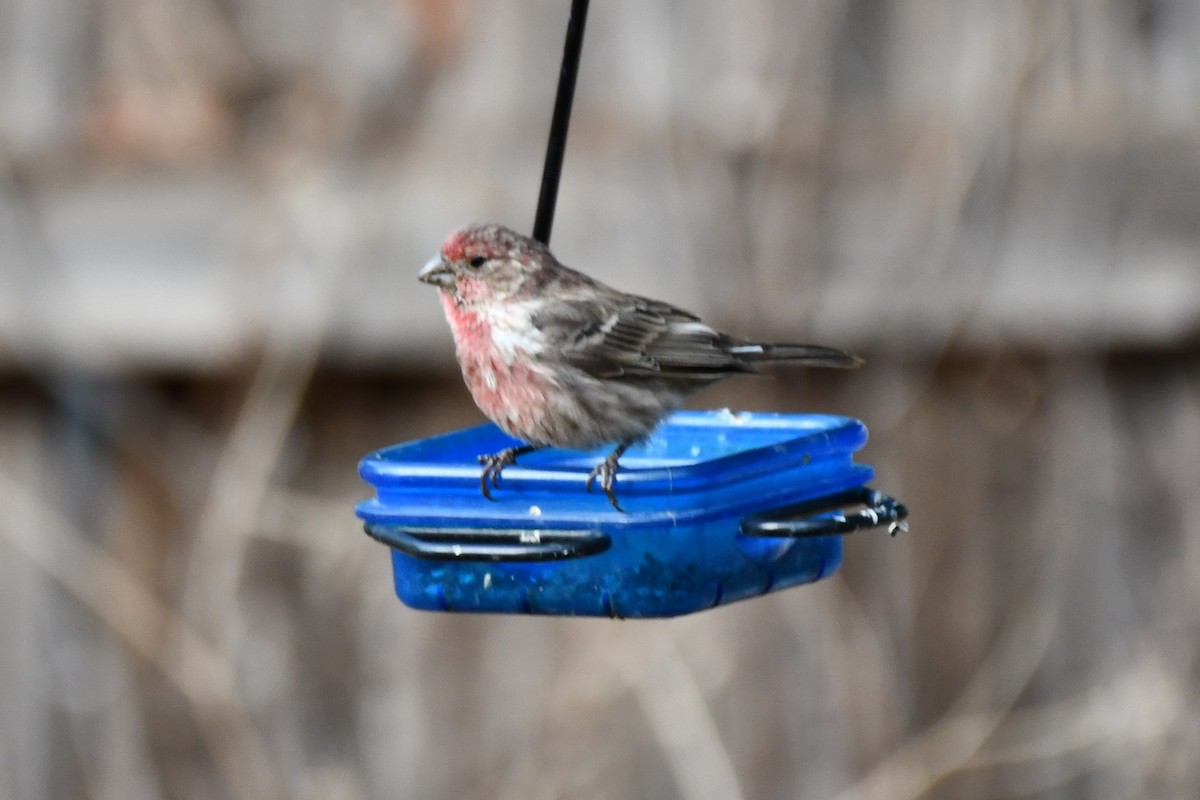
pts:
pixel 606 471
pixel 495 463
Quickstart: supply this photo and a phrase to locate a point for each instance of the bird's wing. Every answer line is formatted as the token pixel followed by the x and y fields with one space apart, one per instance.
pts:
pixel 626 335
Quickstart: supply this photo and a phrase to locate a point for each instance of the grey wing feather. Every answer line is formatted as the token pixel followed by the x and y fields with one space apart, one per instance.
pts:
pixel 636 336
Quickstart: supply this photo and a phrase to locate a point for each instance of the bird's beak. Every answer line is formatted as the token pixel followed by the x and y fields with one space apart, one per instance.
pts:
pixel 436 273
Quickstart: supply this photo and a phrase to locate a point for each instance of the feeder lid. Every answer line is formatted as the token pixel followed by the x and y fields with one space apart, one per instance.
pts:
pixel 696 464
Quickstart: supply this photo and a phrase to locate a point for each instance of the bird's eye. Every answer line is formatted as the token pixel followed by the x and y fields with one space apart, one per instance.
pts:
pixel 477 262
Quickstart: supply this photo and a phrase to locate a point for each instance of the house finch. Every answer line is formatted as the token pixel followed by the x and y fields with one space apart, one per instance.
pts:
pixel 558 359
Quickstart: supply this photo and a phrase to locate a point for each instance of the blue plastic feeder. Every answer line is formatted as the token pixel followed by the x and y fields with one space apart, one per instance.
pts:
pixel 717 506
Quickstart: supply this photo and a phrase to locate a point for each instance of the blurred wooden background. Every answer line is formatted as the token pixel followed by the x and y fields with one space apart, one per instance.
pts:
pixel 211 216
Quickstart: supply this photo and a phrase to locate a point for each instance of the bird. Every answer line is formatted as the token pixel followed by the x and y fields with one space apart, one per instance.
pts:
pixel 556 358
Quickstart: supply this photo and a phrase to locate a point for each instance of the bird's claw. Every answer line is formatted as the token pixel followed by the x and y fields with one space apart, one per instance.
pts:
pixel 490 474
pixel 606 471
pixel 495 463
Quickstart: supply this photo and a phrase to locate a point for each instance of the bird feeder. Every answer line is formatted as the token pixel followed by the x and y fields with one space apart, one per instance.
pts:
pixel 715 506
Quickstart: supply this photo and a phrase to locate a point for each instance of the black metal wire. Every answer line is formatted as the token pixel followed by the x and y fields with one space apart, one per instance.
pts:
pixel 826 516
pixel 557 144
pixel 490 544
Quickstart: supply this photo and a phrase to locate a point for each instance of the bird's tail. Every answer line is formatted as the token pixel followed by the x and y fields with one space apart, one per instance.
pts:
pixel 810 355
